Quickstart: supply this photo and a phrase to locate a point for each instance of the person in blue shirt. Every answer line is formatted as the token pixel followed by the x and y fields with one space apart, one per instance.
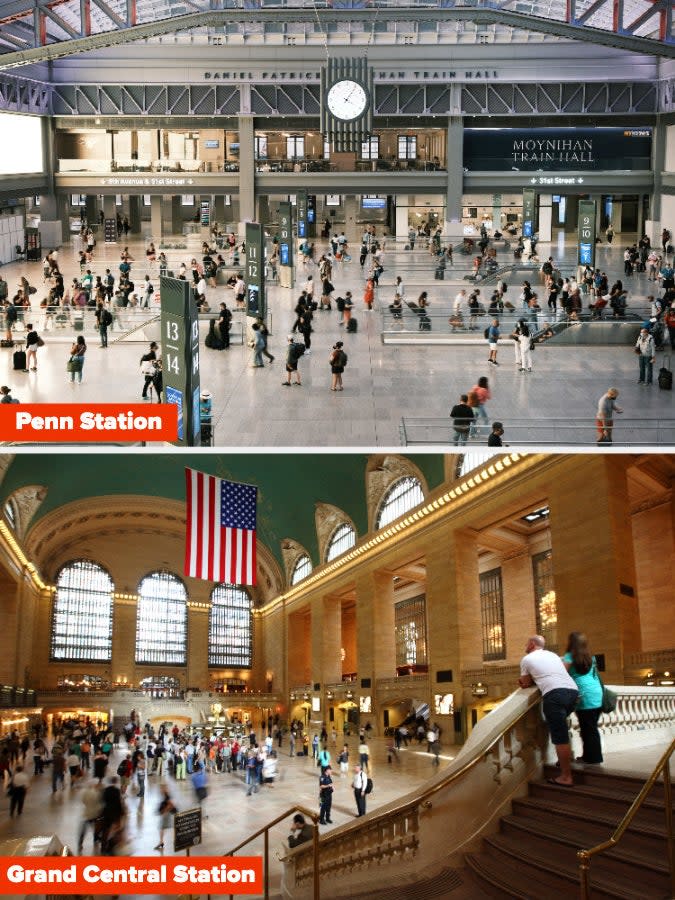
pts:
pixel 582 666
pixel 493 338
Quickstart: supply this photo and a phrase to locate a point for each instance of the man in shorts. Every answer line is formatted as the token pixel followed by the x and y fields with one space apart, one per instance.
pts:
pixel 293 353
pixel 559 693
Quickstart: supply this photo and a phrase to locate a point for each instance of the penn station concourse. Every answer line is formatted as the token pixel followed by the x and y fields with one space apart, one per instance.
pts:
pixel 465 147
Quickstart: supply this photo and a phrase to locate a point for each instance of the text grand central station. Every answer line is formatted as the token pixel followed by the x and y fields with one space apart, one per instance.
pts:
pixel 446 166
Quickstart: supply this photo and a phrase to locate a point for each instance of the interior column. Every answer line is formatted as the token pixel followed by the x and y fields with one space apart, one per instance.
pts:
pixel 156 217
pixel 455 184
pixel 594 578
pixel 326 641
pixel 246 172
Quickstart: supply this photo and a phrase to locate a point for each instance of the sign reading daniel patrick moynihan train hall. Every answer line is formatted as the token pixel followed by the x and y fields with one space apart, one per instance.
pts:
pixel 557 149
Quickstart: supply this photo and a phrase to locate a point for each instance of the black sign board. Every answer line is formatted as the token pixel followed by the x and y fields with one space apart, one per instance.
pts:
pixel 286 234
pixel 255 271
pixel 557 149
pixel 301 212
pixel 187 829
pixel 529 212
pixel 180 356
pixel 205 212
pixel 110 231
pixel 586 227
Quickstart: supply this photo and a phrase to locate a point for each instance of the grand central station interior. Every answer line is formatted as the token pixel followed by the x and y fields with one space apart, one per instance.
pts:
pixel 392 592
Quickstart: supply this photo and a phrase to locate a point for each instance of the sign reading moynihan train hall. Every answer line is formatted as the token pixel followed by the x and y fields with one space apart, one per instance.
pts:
pixel 557 149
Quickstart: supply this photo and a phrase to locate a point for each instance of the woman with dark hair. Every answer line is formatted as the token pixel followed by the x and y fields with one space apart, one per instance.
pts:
pixel 583 668
pixel 76 360
pixel 525 341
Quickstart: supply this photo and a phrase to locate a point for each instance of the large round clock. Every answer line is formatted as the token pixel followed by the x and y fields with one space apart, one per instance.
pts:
pixel 347 100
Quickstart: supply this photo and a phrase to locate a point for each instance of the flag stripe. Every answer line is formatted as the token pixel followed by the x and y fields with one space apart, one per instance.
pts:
pixel 220 536
pixel 189 521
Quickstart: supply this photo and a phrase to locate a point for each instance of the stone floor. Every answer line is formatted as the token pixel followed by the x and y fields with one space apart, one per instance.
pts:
pixel 382 383
pixel 232 816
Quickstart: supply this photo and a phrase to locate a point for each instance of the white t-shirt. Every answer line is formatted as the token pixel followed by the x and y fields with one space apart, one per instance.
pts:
pixel 547 671
pixel 459 300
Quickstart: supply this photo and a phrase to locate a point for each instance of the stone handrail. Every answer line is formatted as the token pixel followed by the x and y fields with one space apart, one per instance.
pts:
pixel 429 830
pixel 653 658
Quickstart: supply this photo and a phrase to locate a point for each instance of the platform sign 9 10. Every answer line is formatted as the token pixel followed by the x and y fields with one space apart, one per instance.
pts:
pixel 586 233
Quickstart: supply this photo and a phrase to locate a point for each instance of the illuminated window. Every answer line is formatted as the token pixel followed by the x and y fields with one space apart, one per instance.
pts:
pixel 472 460
pixel 161 620
pixel 10 514
pixel 82 613
pixel 402 496
pixel 407 146
pixel 545 604
pixel 370 148
pixel 301 569
pixel 161 686
pixel 295 147
pixel 342 539
pixel 230 627
pixel 260 146
pixel 410 628
pixel 492 615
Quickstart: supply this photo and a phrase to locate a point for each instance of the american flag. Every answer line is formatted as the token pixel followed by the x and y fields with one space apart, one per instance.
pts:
pixel 220 533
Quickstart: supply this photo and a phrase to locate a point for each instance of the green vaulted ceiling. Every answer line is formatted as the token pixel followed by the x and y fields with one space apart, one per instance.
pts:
pixel 289 484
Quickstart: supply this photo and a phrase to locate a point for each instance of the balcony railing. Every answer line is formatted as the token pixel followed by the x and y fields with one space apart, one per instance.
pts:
pixel 420 832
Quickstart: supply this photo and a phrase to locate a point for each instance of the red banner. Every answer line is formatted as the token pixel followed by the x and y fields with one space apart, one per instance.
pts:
pixel 88 422
pixel 137 875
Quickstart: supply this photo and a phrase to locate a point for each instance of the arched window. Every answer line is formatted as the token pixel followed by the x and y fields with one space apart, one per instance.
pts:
pixel 10 514
pixel 341 540
pixel 82 615
pixel 230 627
pixel 301 569
pixel 161 620
pixel 472 460
pixel 403 495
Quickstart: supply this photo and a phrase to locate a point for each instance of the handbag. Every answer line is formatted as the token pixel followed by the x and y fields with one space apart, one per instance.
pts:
pixel 40 342
pixel 71 365
pixel 609 697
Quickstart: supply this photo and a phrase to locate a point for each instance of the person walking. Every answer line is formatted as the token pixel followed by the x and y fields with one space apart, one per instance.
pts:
pixel 165 810
pixel 33 343
pixel 495 438
pixel 258 345
pixel 18 788
pixel 293 353
pixel 92 800
pixel 264 331
pixel 646 354
pixel 525 342
pixel 462 417
pixel 481 391
pixel 604 419
pixel 492 335
pixel 325 795
pixel 359 784
pixel 76 361
pixel 583 668
pixel 369 293
pixel 338 361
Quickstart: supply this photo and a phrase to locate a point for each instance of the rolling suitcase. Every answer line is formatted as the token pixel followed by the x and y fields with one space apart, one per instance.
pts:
pixel 665 375
pixel 439 274
pixel 352 325
pixel 19 363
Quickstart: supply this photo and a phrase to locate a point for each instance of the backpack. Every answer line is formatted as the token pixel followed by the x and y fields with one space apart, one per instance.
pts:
pixel 486 333
pixel 369 786
pixel 298 350
pixel 340 303
pixel 352 326
pixel 341 358
pixel 150 288
pixel 107 317
pixel 122 768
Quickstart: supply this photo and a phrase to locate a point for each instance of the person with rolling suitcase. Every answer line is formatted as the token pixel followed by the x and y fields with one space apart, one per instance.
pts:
pixel 665 378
